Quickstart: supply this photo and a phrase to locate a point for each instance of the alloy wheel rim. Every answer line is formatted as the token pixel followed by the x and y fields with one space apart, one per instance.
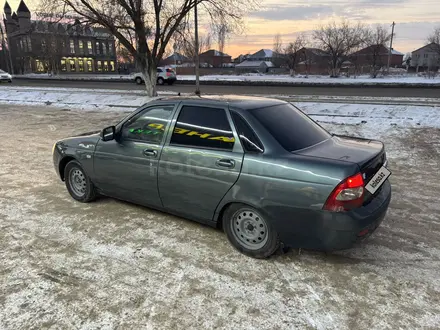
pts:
pixel 250 229
pixel 78 182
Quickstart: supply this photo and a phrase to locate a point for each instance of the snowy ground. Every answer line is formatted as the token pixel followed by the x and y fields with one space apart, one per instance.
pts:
pixel 402 79
pixel 110 100
pixel 110 264
pixel 362 80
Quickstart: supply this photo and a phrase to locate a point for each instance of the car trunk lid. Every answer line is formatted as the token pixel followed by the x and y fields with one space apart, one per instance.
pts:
pixel 369 155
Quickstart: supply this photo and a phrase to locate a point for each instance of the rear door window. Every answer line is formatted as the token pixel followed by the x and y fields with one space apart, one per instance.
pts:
pixel 203 127
pixel 247 135
pixel 290 127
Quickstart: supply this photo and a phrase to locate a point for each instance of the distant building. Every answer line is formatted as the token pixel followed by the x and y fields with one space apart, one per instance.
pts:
pixel 262 55
pixel 313 61
pixel 241 58
pixel 365 57
pixel 253 66
pixel 175 59
pixel 426 57
pixel 214 58
pixel 42 46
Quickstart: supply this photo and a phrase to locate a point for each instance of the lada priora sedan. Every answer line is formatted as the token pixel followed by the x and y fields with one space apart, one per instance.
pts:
pixel 258 168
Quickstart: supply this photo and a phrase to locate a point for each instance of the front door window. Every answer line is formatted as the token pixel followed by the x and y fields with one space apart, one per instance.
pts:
pixel 149 125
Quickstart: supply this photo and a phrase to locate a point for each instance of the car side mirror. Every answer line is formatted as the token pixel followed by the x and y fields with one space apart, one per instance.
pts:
pixel 108 133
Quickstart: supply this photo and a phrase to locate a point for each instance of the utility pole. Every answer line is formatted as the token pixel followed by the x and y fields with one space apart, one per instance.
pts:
pixel 196 36
pixel 391 47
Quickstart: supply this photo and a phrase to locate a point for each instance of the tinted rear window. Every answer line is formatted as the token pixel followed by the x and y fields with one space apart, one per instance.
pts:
pixel 290 127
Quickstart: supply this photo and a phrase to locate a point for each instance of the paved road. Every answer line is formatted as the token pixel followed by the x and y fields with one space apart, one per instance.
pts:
pixel 262 90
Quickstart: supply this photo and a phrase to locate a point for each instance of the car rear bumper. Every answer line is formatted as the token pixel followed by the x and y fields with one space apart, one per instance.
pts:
pixel 324 230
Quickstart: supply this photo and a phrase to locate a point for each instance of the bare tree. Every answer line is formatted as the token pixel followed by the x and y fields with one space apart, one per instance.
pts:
pixel 277 56
pixel 277 43
pixel 222 30
pixel 150 23
pixel 291 52
pixel 376 39
pixel 339 40
pixel 51 51
pixel 187 44
pixel 434 42
pixel 434 38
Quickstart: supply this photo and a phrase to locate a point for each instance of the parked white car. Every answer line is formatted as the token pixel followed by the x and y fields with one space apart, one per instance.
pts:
pixel 4 76
pixel 164 75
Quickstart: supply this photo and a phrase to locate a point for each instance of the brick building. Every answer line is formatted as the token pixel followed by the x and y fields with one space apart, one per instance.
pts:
pixel 313 61
pixel 43 46
pixel 214 58
pixel 377 55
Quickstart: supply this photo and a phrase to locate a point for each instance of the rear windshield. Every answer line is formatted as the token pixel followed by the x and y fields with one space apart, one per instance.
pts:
pixel 290 127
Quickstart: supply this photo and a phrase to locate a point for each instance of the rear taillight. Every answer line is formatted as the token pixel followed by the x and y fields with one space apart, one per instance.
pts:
pixel 347 195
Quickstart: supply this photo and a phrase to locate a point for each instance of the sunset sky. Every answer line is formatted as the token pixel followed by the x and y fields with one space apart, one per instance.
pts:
pixel 415 19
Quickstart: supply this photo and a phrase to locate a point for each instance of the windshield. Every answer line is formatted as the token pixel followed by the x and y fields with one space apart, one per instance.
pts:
pixel 290 126
pixel 1 71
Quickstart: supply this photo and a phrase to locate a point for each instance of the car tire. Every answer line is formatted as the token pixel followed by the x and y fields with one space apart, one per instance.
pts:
pixel 78 184
pixel 250 231
pixel 10 81
pixel 138 80
pixel 160 81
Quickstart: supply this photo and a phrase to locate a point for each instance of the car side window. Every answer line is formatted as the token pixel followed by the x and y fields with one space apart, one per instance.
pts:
pixel 247 135
pixel 149 125
pixel 203 127
pixel 159 70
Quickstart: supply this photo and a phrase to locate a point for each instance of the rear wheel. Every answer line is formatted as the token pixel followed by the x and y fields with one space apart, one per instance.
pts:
pixel 160 81
pixel 250 232
pixel 138 80
pixel 78 184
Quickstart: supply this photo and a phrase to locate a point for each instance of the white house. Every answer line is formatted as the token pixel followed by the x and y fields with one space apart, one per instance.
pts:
pixel 427 57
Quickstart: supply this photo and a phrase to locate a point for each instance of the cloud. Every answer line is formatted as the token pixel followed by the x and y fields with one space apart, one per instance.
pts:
pixel 302 10
pixel 293 12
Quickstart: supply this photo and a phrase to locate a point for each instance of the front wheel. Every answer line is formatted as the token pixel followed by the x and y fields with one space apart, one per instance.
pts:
pixel 250 232
pixel 160 81
pixel 138 80
pixel 78 184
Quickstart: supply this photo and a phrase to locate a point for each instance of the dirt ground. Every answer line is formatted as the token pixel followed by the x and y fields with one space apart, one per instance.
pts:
pixel 113 265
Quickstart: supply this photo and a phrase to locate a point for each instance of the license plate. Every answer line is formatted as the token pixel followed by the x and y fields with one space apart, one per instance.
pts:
pixel 378 179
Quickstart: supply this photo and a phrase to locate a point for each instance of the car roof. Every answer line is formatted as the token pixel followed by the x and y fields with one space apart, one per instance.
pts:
pixel 235 101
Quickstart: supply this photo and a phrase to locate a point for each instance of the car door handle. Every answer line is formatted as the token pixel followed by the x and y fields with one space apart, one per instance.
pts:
pixel 229 163
pixel 150 152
